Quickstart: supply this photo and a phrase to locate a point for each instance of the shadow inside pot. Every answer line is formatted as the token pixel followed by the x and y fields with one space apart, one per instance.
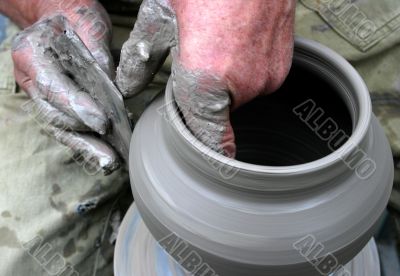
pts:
pixel 269 132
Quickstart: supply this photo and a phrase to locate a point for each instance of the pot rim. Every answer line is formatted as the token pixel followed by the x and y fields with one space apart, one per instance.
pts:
pixel 361 121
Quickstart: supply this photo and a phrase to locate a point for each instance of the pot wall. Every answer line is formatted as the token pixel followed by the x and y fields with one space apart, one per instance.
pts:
pixel 249 222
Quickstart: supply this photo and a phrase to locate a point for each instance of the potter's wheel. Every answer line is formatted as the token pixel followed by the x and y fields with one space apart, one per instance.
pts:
pixel 137 253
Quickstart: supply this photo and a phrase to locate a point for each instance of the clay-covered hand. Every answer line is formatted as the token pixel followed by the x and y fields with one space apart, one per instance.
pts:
pixel 69 113
pixel 225 53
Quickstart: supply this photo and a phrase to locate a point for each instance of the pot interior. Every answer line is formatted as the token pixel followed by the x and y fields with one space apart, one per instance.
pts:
pixel 269 133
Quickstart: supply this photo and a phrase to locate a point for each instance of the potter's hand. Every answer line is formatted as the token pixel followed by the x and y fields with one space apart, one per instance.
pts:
pixel 69 114
pixel 227 53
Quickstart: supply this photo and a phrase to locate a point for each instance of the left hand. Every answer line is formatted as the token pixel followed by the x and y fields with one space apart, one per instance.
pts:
pixel 72 115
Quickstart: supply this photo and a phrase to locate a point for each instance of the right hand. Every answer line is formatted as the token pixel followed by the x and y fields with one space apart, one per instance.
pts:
pixel 225 53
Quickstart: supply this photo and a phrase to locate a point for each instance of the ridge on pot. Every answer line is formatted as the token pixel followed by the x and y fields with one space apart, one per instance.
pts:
pixel 244 218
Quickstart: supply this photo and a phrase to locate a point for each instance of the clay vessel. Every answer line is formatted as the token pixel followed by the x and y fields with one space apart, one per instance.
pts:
pixel 297 178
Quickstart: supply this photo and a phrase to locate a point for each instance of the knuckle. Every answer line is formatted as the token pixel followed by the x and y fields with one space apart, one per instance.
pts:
pixel 19 42
pixel 275 76
pixel 279 77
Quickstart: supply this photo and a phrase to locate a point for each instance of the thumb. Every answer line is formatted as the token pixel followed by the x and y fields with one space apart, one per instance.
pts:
pixel 204 101
pixel 147 47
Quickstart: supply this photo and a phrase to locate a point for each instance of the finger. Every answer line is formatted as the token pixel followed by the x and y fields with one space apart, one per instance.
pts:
pixel 43 71
pixel 46 114
pixel 147 47
pixel 95 153
pixel 42 111
pixel 204 101
pixel 63 93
